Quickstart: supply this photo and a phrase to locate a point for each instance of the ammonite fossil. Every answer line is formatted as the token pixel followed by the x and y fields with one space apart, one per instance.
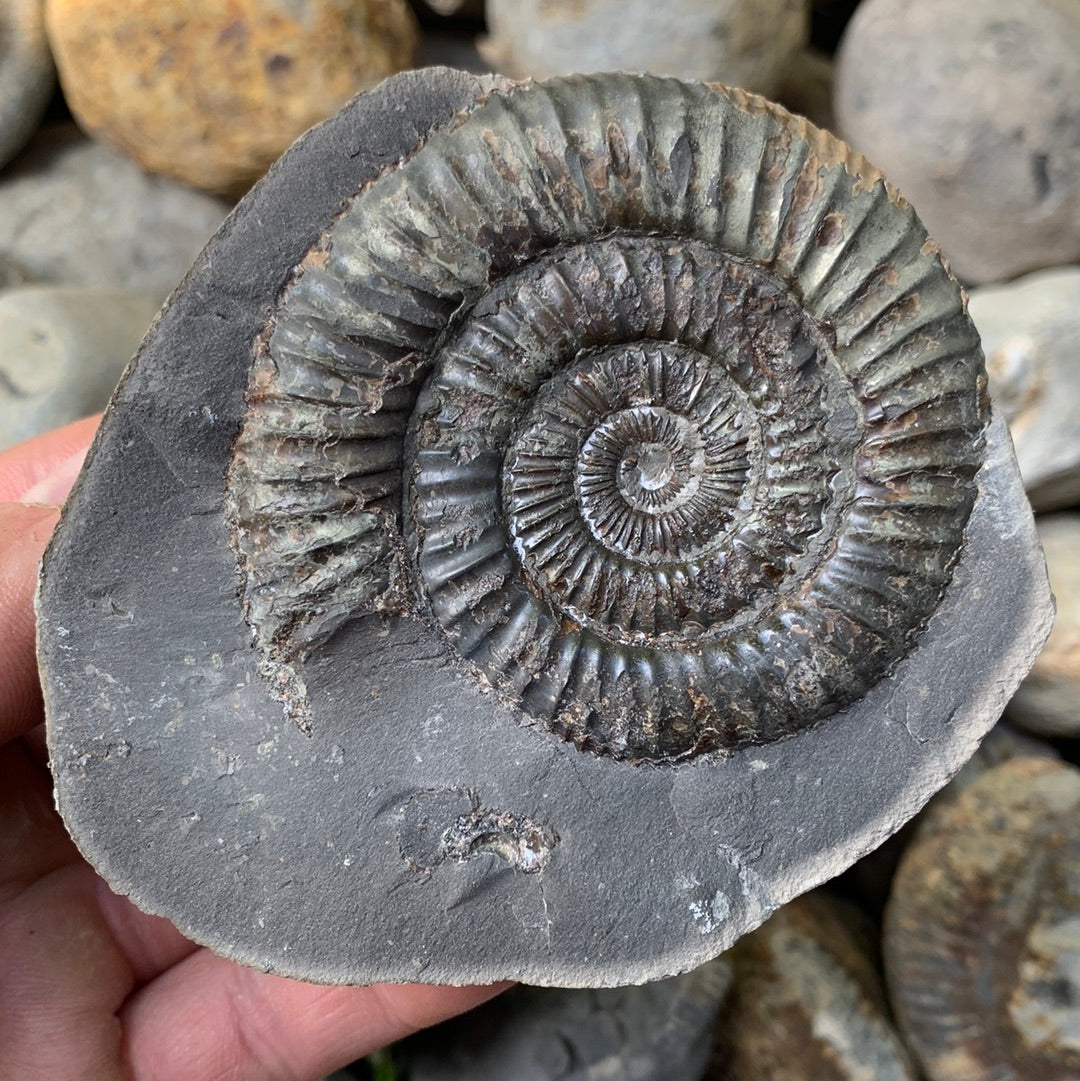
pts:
pixel 678 456
pixel 569 503
pixel 981 932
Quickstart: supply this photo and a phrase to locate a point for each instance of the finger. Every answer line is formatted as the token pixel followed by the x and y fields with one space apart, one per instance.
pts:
pixel 207 1018
pixel 39 471
pixel 61 982
pixel 42 470
pixel 24 531
pixel 66 973
pixel 33 841
pixel 34 844
pixel 150 944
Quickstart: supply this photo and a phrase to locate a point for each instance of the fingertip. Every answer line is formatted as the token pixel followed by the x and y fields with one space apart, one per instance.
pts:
pixel 53 488
pixel 43 469
pixel 25 529
pixel 207 1018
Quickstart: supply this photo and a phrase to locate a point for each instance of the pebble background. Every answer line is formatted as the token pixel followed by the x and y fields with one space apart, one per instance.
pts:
pixel 746 43
pixel 212 93
pixel 972 109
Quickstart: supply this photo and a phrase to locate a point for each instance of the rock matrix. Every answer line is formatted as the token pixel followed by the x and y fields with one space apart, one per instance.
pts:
pixel 570 511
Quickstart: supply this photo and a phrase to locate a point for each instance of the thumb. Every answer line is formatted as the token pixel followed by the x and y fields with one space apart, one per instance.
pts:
pixel 24 531
pixel 37 475
pixel 42 470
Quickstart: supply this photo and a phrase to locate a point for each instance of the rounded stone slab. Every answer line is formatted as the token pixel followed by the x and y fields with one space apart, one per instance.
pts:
pixel 408 821
pixel 1030 330
pixel 27 75
pixel 62 351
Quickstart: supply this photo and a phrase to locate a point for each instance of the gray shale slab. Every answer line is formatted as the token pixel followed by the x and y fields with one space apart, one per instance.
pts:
pixel 345 855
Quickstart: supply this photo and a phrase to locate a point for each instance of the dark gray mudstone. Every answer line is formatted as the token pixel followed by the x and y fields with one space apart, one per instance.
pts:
pixel 422 831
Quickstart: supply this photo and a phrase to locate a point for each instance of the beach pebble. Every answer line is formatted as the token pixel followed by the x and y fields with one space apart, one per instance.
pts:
pixel 470 9
pixel 61 353
pixel 1030 331
pixel 74 212
pixel 222 89
pixel 661 1029
pixel 27 76
pixel 746 43
pixel 807 1001
pixel 11 274
pixel 973 111
pixel 982 932
pixel 1048 701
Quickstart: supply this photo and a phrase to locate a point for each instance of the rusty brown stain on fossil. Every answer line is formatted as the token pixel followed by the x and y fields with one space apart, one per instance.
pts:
pixel 983 928
pixel 829 150
pixel 317 257
pixel 831 231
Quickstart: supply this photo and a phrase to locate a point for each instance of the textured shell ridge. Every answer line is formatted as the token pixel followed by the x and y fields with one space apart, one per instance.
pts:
pixel 642 392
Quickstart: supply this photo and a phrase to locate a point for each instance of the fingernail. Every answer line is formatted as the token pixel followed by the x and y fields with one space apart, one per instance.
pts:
pixel 53 488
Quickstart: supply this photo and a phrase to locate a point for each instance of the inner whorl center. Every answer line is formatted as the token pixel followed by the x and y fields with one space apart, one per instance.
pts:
pixel 647 458
pixel 650 466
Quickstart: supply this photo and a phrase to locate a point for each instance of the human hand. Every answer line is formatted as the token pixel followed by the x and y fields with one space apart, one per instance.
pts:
pixel 90 987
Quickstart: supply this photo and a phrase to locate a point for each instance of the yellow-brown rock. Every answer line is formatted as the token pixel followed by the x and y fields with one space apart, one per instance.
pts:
pixel 212 91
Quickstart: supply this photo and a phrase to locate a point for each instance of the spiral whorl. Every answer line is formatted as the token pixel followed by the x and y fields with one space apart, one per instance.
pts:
pixel 649 395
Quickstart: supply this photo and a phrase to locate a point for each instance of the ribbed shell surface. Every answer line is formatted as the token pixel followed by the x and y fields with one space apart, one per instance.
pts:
pixel 655 399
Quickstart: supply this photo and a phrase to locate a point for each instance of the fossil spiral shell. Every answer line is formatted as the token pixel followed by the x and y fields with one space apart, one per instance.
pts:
pixel 651 397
